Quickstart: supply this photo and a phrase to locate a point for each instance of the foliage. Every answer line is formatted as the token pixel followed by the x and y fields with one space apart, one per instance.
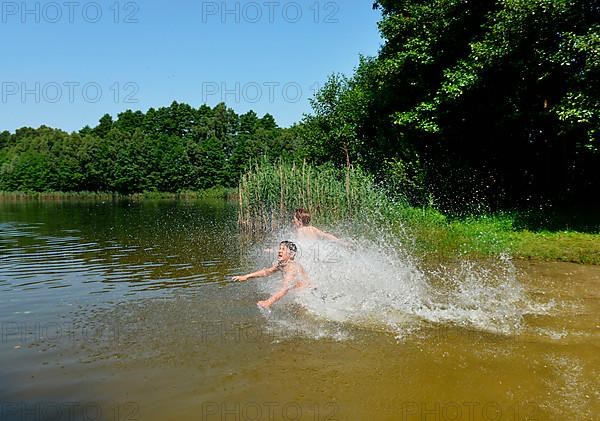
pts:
pixel 169 149
pixel 495 101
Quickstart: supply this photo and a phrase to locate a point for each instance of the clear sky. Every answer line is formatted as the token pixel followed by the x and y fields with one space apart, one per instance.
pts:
pixel 66 63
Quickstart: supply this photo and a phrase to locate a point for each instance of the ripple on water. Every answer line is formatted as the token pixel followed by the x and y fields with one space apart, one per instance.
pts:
pixel 55 262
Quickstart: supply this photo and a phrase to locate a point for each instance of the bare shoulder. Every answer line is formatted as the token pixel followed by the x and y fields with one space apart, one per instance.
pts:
pixel 318 234
pixel 315 230
pixel 309 232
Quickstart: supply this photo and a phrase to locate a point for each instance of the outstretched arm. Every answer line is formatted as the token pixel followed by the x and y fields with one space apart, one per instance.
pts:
pixel 330 237
pixel 291 280
pixel 325 235
pixel 277 296
pixel 258 274
pixel 274 298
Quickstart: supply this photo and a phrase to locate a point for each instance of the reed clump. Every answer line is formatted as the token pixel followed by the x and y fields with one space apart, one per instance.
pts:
pixel 269 193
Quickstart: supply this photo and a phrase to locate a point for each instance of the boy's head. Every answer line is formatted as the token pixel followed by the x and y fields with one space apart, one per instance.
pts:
pixel 287 251
pixel 301 217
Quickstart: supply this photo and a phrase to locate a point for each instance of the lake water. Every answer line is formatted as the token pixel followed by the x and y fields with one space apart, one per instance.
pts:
pixel 126 311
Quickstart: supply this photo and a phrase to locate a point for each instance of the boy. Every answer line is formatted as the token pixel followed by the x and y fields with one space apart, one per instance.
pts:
pixel 294 275
pixel 301 221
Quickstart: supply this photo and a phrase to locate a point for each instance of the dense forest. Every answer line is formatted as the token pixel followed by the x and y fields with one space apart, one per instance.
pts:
pixel 169 149
pixel 492 102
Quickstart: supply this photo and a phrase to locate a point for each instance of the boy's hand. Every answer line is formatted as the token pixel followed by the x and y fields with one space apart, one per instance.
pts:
pixel 240 278
pixel 264 304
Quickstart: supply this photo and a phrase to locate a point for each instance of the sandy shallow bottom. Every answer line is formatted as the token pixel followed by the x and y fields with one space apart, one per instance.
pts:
pixel 210 354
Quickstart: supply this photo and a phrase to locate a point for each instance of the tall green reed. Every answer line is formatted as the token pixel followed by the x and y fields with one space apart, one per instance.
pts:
pixel 269 193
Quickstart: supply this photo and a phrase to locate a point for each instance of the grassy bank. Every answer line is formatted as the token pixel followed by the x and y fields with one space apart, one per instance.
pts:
pixel 438 236
pixel 269 193
pixel 217 193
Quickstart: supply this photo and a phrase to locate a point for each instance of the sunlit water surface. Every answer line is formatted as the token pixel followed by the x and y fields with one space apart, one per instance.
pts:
pixel 126 311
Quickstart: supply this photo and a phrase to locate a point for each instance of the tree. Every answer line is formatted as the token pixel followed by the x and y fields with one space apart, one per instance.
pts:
pixel 209 162
pixel 104 126
pixel 333 124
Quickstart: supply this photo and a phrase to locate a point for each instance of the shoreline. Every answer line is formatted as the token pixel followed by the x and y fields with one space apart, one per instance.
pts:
pixel 216 193
pixel 436 236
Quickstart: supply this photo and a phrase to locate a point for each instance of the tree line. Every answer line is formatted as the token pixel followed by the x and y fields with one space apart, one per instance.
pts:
pixel 167 149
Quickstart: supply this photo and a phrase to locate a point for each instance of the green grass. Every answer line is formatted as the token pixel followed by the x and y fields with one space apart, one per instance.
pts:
pixel 439 237
pixel 269 193
pixel 216 193
pixel 563 246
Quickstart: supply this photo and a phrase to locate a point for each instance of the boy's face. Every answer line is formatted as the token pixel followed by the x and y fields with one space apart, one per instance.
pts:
pixel 284 254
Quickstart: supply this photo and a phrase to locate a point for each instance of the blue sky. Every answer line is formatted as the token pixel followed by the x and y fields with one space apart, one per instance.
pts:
pixel 66 64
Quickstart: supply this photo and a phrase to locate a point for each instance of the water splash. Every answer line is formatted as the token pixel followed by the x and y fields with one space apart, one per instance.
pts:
pixel 376 284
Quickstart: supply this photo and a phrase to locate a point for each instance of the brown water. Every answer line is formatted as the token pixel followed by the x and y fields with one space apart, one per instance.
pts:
pixel 123 311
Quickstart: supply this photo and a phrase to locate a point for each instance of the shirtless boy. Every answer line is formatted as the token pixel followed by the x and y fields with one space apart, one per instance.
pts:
pixel 301 221
pixel 294 275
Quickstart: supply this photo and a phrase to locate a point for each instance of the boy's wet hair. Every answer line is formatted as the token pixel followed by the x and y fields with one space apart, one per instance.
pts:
pixel 302 215
pixel 290 246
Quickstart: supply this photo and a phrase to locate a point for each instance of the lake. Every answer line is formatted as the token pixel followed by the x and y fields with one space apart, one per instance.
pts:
pixel 126 311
